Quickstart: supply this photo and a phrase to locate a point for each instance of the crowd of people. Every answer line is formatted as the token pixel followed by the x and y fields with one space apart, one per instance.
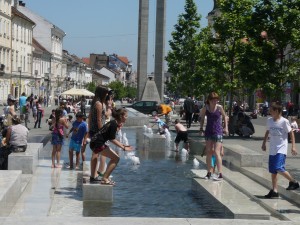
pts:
pixel 104 121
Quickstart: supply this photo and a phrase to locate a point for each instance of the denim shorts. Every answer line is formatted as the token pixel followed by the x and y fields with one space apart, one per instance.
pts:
pixel 214 138
pixel 277 163
pixel 74 146
pixel 56 139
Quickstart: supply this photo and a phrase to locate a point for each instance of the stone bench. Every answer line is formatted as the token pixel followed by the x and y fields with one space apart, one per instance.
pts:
pixel 10 190
pixel 154 142
pixel 237 203
pixel 240 156
pixel 94 192
pixel 26 161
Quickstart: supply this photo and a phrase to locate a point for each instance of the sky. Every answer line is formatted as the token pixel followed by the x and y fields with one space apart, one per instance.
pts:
pixel 111 26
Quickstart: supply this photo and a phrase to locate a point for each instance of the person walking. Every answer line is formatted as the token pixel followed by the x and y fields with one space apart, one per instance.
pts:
pixel 278 129
pixel 27 112
pixel 40 113
pixel 57 141
pixel 96 120
pixel 188 106
pixel 213 132
pixel 22 104
pixel 82 104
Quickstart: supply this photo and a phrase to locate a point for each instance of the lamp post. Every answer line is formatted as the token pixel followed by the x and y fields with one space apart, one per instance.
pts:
pixel 47 92
pixel 20 71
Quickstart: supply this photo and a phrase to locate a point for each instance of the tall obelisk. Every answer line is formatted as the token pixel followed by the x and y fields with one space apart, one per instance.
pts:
pixel 159 69
pixel 142 56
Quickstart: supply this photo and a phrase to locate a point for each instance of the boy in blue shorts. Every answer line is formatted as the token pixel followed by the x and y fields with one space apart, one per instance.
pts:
pixel 79 131
pixel 278 129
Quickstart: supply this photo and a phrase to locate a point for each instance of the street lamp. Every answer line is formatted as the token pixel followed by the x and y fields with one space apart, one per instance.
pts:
pixel 20 70
pixel 36 74
pixel 48 79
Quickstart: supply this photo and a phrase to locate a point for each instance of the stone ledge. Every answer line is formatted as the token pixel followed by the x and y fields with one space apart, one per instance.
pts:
pixel 240 156
pixel 96 192
pixel 154 142
pixel 240 205
pixel 10 190
pixel 26 161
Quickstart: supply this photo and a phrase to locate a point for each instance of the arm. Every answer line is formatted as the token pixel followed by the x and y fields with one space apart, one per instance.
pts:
pixel 263 147
pixel 8 134
pixel 119 144
pixel 99 114
pixel 64 122
pixel 225 120
pixel 202 115
pixel 67 135
pixel 294 150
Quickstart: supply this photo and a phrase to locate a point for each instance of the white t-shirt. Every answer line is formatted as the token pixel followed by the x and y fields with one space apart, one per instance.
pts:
pixel 278 133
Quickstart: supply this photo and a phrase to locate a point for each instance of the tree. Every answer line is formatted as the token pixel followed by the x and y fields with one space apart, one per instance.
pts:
pixel 278 22
pixel 222 49
pixel 91 87
pixel 182 57
pixel 119 90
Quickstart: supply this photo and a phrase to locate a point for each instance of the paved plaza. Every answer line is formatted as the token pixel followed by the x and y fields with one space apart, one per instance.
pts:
pixel 48 196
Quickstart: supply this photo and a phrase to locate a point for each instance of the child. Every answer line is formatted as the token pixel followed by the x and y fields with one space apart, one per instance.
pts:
pixel 277 129
pixel 294 123
pixel 51 119
pixel 58 136
pixel 84 142
pixel 79 132
pixel 98 145
pixel 182 135
pixel 161 125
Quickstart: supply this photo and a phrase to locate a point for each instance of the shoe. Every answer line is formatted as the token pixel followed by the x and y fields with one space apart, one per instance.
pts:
pixel 69 167
pixel 293 186
pixel 272 194
pixel 208 176
pixel 108 182
pixel 218 178
pixel 96 180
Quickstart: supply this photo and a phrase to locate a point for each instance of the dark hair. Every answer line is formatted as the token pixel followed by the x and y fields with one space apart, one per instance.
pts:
pixel 117 114
pixel 58 114
pixel 276 106
pixel 100 94
pixel 177 121
pixel 16 120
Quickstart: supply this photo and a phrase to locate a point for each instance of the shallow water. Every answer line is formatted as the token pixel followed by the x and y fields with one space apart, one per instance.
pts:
pixel 159 187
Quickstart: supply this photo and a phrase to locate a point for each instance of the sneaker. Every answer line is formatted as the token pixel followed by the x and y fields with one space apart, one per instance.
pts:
pixel 293 186
pixel 219 177
pixel 96 180
pixel 272 194
pixel 208 176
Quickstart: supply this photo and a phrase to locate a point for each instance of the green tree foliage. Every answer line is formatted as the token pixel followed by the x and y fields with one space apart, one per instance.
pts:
pixel 278 23
pixel 91 87
pixel 119 89
pixel 182 57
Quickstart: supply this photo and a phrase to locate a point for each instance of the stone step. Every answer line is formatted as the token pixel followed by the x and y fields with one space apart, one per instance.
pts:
pixel 280 208
pixel 10 190
pixel 241 206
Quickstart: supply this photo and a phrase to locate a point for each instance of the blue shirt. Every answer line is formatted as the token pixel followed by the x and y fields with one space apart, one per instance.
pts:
pixel 22 101
pixel 79 130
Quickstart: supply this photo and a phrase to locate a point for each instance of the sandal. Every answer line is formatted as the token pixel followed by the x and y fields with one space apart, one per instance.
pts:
pixel 108 182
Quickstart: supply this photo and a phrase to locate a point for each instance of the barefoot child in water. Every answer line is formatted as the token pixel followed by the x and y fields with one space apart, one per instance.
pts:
pixel 182 135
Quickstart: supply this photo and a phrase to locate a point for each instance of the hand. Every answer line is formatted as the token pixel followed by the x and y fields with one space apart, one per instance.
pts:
pixel 263 147
pixel 128 148
pixel 294 151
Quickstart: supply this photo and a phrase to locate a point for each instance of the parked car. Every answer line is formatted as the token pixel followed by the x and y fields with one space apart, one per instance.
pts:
pixel 87 105
pixel 146 107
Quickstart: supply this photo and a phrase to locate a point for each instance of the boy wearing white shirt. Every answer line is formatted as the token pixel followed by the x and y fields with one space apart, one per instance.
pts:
pixel 278 129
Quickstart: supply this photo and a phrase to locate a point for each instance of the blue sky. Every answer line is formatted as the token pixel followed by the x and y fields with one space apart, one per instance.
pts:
pixel 111 26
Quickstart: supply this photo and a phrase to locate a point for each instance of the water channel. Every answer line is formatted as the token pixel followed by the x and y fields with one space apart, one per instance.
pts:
pixel 159 187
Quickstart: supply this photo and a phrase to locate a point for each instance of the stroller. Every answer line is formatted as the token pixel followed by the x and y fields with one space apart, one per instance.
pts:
pixel 241 125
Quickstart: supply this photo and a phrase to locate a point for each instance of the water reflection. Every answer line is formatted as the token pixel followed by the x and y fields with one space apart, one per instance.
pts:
pixel 159 187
